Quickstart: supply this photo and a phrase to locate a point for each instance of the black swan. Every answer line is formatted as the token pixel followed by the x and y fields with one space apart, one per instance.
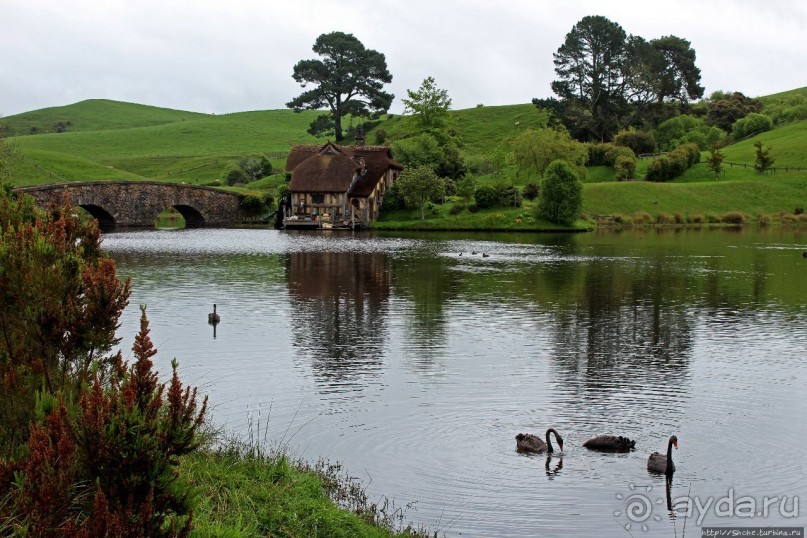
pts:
pixel 527 442
pixel 213 317
pixel 610 443
pixel 658 463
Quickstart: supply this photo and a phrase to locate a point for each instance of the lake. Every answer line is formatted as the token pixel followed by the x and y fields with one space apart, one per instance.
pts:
pixel 415 359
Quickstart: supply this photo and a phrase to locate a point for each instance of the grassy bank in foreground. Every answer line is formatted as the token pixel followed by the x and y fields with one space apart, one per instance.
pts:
pixel 246 492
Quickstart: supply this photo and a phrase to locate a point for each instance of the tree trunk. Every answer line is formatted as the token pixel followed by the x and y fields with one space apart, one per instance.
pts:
pixel 337 126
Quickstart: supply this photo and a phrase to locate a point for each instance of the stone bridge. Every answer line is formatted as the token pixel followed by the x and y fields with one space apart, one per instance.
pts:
pixel 137 203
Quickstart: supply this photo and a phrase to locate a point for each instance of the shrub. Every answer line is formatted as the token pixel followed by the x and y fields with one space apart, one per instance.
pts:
pixel 624 220
pixel 250 203
pixel 235 176
pixel 124 441
pixel 733 217
pixel 673 164
pixel 486 197
pixel 393 199
pixel 61 301
pixel 625 167
pixel 473 208
pixel 456 209
pixel 642 217
pixel 380 135
pixel 530 191
pixel 638 141
pixel 561 194
pixel 712 218
pixel 450 186
pixel 679 217
pixel 764 219
pixel 696 218
pixel 753 123
pixel 598 154
pixel 664 218
pixel 255 167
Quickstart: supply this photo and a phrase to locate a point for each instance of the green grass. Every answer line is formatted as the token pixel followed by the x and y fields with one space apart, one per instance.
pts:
pixel 521 219
pixel 94 115
pixel 110 140
pixel 244 492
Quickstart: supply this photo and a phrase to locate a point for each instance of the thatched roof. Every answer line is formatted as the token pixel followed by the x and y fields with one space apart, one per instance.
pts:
pixel 330 168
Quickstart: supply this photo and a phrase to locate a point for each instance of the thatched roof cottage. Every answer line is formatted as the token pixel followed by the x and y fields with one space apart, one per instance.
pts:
pixel 338 186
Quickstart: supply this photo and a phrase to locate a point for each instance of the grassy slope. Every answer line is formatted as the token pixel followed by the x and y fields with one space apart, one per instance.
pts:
pixel 95 115
pixel 127 141
pixel 189 147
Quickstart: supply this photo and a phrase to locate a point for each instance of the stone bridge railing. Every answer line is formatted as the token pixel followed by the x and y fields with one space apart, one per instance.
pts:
pixel 137 203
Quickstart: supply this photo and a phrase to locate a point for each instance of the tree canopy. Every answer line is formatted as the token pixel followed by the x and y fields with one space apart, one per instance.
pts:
pixel 420 185
pixel 561 194
pixel 608 80
pixel 348 80
pixel 429 105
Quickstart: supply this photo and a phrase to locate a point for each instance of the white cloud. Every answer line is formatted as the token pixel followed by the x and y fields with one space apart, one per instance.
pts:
pixel 213 56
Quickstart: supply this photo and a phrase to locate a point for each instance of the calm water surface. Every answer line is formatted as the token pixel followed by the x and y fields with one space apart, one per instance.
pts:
pixel 415 363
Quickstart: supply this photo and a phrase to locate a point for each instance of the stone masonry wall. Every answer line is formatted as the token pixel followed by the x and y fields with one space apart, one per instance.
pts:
pixel 137 203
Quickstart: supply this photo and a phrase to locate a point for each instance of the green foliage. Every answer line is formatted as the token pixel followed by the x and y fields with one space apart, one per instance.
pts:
pixel 250 203
pixel 561 194
pixel 534 150
pixel 420 185
pixel 607 79
pixel 639 141
pixel 753 123
pixel 88 445
pixel 786 107
pixel 418 150
pixel 348 80
pixel 393 199
pixel 673 164
pixel 625 167
pixel 255 167
pixel 723 110
pixel 429 106
pixel 380 136
pixel 465 187
pixel 685 129
pixel 530 191
pixel 236 176
pixel 60 301
pixel 485 197
pixel 764 160
pixel 8 154
pixel 715 161
pixel 124 441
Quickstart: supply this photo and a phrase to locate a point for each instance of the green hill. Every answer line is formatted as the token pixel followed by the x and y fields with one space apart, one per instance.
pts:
pixel 93 115
pixel 125 140
pixel 111 140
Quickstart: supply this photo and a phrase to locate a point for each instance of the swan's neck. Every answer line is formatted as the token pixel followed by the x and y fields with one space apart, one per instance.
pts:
pixel 549 447
pixel 670 466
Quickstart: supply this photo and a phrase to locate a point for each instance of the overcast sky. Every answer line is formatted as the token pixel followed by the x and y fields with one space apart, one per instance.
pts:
pixel 218 56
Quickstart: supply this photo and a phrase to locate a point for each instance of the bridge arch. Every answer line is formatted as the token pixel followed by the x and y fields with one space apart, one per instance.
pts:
pixel 138 203
pixel 104 218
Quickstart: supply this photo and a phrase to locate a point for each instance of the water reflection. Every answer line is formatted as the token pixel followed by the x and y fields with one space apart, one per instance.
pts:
pixel 553 470
pixel 338 313
pixel 415 367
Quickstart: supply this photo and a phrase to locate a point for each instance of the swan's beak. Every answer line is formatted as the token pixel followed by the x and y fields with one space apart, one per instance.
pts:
pixel 560 444
pixel 675 444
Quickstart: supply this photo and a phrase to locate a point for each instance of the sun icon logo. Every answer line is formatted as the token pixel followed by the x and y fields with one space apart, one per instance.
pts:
pixel 637 507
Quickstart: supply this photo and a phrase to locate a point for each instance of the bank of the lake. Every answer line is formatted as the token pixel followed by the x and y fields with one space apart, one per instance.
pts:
pixel 696 199
pixel 243 491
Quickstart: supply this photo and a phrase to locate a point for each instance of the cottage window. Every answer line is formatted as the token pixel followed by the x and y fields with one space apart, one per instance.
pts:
pixel 317 198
